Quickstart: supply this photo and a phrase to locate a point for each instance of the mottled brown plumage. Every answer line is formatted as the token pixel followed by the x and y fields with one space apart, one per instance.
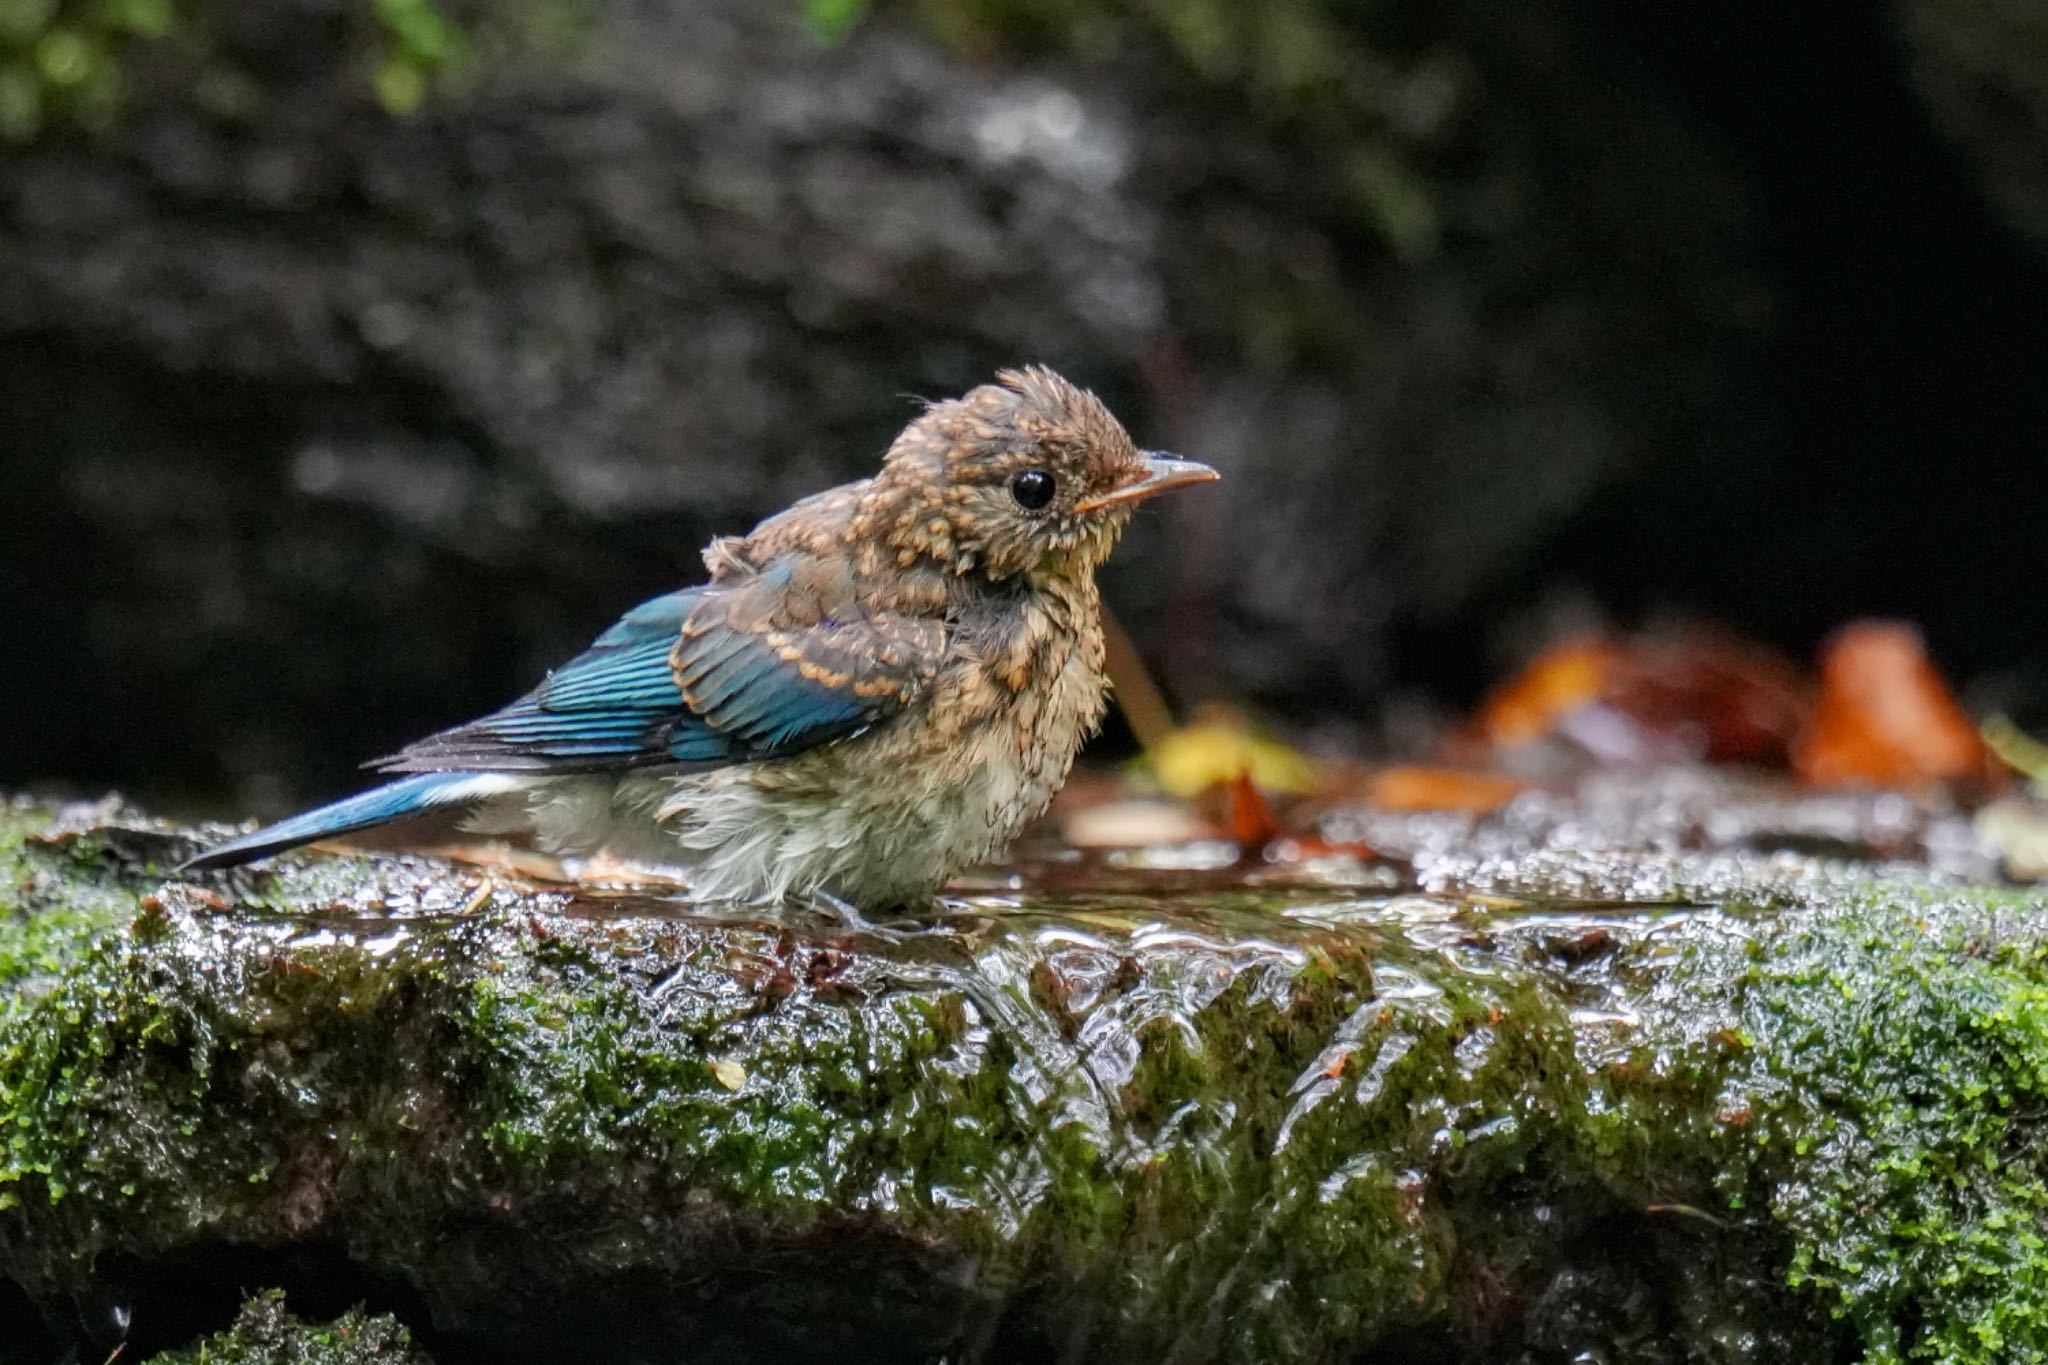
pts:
pixel 875 688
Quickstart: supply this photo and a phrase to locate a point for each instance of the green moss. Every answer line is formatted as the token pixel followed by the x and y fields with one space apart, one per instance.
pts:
pixel 140 1037
pixel 61 895
pixel 47 908
pixel 266 1334
pixel 1899 1075
pixel 1138 1131
pixel 1275 1129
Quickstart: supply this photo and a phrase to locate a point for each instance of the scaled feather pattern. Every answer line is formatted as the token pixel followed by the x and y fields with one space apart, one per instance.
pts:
pixel 874 689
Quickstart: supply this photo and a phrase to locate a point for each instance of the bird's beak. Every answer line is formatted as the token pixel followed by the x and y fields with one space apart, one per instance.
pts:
pixel 1161 473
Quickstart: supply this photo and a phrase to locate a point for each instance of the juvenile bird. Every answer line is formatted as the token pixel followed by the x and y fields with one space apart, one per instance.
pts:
pixel 876 688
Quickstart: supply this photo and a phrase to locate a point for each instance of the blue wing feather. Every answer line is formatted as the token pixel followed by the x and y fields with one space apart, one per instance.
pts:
pixel 656 618
pixel 392 801
pixel 677 682
pixel 745 690
pixel 748 681
pixel 615 705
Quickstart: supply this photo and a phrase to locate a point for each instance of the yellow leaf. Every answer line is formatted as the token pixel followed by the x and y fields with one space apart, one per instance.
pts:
pixel 1220 747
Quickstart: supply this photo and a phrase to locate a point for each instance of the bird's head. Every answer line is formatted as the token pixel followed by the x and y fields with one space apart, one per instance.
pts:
pixel 1028 473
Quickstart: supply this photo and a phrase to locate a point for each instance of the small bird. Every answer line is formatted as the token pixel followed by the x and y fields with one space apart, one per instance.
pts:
pixel 875 689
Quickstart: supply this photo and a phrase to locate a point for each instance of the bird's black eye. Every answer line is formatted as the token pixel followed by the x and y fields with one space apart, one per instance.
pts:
pixel 1032 489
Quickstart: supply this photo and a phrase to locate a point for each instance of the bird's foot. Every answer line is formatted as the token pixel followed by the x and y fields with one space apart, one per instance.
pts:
pixel 845 912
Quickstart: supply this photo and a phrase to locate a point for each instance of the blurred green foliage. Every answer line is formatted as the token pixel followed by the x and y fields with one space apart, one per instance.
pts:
pixel 61 60
pixel 69 63
pixel 832 20
pixel 420 42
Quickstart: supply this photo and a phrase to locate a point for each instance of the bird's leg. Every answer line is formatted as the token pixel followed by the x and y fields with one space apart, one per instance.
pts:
pixel 904 920
pixel 846 912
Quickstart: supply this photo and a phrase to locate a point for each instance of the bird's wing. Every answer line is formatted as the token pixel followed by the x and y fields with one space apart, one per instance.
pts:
pixel 790 657
pixel 762 667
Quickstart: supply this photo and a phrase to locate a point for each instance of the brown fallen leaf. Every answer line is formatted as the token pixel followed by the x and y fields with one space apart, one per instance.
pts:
pixel 1885 717
pixel 1263 836
pixel 1564 677
pixel 1735 700
pixel 1692 693
pixel 1423 788
pixel 1247 816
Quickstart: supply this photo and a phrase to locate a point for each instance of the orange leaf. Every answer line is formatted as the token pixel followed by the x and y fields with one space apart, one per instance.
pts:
pixel 1249 818
pixel 1696 692
pixel 1562 678
pixel 1415 788
pixel 1885 716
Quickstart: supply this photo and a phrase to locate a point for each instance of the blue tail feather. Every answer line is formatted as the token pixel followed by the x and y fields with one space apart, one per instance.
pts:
pixel 394 800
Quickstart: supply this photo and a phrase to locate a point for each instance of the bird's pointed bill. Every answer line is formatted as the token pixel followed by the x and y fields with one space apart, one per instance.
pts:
pixel 1161 473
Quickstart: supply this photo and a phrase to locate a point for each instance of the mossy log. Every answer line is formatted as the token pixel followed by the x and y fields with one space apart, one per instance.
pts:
pixel 1732 1117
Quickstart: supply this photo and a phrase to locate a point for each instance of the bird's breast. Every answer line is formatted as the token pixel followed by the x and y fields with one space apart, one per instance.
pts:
pixel 896 810
pixel 1007 719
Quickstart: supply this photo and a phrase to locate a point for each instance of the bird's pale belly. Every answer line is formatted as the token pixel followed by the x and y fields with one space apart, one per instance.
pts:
pixel 885 819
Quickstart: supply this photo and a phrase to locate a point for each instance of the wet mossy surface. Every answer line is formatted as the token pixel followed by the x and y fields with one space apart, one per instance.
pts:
pixel 267 1333
pixel 1760 1110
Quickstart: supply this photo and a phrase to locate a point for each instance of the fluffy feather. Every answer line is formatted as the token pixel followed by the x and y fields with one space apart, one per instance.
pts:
pixel 875 688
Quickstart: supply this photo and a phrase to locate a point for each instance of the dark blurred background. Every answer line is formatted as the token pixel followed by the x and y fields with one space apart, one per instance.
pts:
pixel 359 359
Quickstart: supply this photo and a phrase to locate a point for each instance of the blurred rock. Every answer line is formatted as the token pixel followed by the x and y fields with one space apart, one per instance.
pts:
pixel 1982 67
